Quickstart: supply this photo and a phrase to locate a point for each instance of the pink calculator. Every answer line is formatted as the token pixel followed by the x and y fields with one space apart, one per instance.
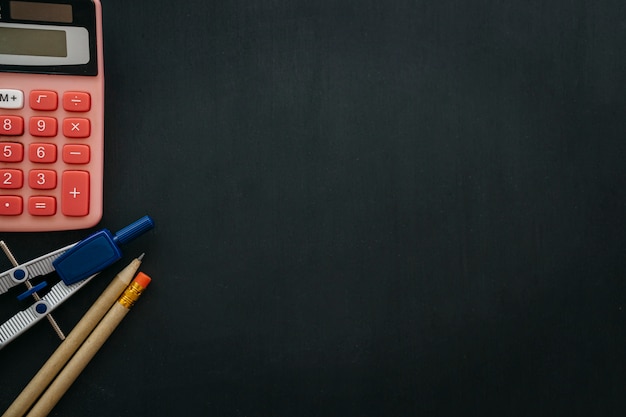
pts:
pixel 51 115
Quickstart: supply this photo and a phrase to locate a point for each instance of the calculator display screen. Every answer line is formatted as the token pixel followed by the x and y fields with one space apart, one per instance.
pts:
pixel 41 45
pixel 50 36
pixel 41 12
pixel 36 42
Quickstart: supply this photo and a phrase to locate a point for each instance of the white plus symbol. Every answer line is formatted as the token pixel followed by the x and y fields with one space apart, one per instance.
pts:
pixel 74 192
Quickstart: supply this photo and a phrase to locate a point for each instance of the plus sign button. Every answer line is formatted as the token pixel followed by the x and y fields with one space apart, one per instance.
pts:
pixel 75 193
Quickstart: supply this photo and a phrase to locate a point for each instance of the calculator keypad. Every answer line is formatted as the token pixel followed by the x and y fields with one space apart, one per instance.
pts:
pixel 45 153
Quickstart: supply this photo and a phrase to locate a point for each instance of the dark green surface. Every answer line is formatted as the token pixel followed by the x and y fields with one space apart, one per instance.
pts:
pixel 362 208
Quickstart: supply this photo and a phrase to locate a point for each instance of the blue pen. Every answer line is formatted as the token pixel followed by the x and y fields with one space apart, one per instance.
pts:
pixel 96 252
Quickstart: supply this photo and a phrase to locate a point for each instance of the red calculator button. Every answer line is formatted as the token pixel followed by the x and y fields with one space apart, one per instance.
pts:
pixel 43 126
pixel 76 154
pixel 11 152
pixel 76 101
pixel 75 193
pixel 42 206
pixel 11 178
pixel 10 205
pixel 42 179
pixel 43 153
pixel 43 100
pixel 75 127
pixel 11 125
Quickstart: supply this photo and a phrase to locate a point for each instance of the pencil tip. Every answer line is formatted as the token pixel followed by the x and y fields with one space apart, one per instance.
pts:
pixel 140 257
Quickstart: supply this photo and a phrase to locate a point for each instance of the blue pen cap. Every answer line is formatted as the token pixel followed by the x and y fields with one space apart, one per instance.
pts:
pixel 90 255
pixel 133 230
pixel 97 251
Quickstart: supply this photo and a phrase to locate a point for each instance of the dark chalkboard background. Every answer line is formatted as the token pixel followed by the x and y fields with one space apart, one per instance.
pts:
pixel 363 208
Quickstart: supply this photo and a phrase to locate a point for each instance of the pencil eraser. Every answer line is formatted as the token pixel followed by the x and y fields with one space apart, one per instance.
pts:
pixel 142 279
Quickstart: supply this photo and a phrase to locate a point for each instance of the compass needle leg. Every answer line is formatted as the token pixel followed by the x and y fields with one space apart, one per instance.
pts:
pixel 51 320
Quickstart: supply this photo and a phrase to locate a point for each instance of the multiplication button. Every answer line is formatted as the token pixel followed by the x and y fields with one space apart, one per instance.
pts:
pixel 76 127
pixel 11 99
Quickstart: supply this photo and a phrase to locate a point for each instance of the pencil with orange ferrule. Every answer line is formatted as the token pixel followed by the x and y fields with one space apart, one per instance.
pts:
pixel 90 347
pixel 72 342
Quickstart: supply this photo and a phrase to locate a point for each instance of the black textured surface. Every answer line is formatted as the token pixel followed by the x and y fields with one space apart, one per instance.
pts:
pixel 363 209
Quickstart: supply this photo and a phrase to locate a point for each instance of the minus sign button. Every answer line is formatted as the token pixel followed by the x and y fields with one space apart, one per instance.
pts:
pixel 76 154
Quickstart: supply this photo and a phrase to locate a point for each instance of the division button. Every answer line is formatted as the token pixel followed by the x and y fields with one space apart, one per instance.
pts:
pixel 76 101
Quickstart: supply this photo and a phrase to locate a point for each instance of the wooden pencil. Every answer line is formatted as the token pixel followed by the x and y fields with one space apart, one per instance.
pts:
pixel 90 347
pixel 72 342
